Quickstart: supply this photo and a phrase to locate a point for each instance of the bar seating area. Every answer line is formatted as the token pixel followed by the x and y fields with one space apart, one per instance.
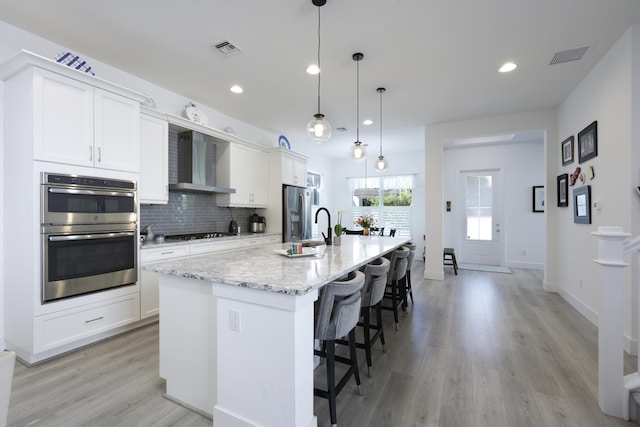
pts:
pixel 382 279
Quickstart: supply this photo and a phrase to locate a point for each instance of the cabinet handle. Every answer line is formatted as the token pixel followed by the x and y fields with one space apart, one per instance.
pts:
pixel 90 153
pixel 93 320
pixel 166 253
pixel 99 154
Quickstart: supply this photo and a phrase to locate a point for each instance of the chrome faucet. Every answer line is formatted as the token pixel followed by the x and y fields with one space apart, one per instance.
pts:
pixel 327 238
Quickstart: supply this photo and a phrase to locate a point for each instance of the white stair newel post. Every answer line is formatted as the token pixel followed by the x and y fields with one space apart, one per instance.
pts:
pixel 610 320
pixel 632 381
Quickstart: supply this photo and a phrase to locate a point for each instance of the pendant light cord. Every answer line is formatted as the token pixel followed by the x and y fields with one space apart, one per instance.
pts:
pixel 381 92
pixel 319 69
pixel 358 101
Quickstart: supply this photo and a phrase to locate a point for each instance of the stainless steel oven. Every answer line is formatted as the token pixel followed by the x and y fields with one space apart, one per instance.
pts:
pixel 73 199
pixel 88 234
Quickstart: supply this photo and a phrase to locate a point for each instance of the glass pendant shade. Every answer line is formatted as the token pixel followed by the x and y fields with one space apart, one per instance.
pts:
pixel 319 129
pixel 358 151
pixel 381 164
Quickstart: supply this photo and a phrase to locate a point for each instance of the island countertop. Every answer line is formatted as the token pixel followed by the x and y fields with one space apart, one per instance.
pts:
pixel 262 268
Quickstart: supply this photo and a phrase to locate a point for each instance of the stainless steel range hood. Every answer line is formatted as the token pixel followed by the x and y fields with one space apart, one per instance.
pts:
pixel 196 164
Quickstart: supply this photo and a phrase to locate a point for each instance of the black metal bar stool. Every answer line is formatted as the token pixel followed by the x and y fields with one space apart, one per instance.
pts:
pixel 375 281
pixel 412 254
pixel 337 315
pixel 396 284
pixel 449 258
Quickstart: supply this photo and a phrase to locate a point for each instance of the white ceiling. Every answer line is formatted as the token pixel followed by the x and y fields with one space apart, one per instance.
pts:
pixel 438 60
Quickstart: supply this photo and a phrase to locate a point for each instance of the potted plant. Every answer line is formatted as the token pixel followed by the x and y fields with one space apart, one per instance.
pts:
pixel 338 228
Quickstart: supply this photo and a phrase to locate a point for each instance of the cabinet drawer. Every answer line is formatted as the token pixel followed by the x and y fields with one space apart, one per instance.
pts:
pixel 252 241
pixel 57 329
pixel 209 247
pixel 272 239
pixel 164 252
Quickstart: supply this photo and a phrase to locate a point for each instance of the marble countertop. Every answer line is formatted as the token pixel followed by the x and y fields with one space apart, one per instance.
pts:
pixel 261 267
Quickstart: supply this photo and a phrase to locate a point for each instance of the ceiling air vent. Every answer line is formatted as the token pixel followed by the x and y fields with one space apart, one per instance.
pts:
pixel 569 55
pixel 227 48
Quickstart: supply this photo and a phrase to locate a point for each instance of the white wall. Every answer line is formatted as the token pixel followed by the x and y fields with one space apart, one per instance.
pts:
pixel 604 95
pixel 522 166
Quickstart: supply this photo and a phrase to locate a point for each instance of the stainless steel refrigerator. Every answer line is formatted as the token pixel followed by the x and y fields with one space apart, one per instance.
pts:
pixel 296 213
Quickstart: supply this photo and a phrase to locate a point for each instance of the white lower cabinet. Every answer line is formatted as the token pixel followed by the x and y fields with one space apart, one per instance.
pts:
pixel 149 297
pixel 67 326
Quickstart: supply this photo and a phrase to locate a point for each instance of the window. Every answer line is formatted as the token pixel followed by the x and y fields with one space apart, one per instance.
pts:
pixel 391 207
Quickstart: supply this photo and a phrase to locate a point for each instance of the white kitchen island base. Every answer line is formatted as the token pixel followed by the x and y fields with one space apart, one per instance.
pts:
pixel 265 369
pixel 236 329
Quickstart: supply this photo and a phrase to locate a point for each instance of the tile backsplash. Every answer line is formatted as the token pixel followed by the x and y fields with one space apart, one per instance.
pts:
pixel 188 212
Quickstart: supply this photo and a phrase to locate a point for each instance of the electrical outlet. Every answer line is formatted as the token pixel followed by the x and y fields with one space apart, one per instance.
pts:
pixel 235 323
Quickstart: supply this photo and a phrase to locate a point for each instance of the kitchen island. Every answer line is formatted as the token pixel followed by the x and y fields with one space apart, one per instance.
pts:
pixel 236 328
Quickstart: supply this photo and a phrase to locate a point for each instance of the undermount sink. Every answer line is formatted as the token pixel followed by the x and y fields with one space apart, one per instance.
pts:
pixel 312 243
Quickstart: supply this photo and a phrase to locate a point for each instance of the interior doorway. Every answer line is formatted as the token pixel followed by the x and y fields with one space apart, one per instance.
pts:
pixel 481 218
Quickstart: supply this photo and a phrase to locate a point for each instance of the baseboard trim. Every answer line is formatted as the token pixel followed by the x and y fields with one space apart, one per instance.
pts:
pixel 583 309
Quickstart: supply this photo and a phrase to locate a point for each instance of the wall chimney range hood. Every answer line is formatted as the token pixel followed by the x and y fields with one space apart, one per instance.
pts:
pixel 196 164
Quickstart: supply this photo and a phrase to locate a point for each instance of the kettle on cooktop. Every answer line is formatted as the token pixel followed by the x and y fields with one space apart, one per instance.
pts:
pixel 233 227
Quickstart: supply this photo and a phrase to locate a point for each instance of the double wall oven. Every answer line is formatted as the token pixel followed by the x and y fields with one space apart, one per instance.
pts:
pixel 88 233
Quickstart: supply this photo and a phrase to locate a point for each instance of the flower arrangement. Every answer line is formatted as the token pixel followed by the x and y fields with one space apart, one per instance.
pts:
pixel 338 227
pixel 365 221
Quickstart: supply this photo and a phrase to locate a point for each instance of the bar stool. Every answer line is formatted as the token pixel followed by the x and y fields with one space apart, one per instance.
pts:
pixel 337 315
pixel 449 258
pixel 375 281
pixel 412 254
pixel 396 285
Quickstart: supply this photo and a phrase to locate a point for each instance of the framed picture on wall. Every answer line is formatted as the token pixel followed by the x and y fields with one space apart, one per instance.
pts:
pixel 582 205
pixel 563 190
pixel 588 143
pixel 538 198
pixel 567 151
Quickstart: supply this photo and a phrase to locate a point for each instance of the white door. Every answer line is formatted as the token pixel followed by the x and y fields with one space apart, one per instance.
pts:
pixel 480 225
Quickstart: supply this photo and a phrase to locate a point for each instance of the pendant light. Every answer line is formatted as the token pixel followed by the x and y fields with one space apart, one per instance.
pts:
pixel 358 151
pixel 366 192
pixel 319 128
pixel 381 163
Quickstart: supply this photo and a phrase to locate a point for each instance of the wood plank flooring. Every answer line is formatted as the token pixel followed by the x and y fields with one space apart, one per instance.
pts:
pixel 477 349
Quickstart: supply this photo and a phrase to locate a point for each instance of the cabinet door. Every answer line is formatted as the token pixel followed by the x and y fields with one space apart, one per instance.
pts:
pixel 63 119
pixel 116 132
pixel 154 162
pixel 259 178
pixel 240 170
pixel 294 170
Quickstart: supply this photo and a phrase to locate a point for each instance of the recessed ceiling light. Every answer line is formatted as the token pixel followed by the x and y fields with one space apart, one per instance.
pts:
pixel 236 89
pixel 313 69
pixel 507 66
pixel 367 122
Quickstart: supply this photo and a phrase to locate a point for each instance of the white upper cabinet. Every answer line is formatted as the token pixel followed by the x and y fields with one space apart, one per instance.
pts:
pixel 288 167
pixel 154 162
pixel 294 169
pixel 116 132
pixel 79 124
pixel 243 168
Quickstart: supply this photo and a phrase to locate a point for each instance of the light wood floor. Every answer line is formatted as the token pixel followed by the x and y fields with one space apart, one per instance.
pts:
pixel 477 349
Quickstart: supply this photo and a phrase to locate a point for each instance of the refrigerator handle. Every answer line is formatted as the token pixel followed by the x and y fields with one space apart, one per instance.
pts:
pixel 303 215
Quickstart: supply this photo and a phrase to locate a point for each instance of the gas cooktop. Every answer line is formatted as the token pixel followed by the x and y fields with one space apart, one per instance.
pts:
pixel 197 236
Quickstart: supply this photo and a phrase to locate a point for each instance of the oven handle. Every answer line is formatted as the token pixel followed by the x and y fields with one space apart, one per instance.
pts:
pixel 90 236
pixel 90 192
